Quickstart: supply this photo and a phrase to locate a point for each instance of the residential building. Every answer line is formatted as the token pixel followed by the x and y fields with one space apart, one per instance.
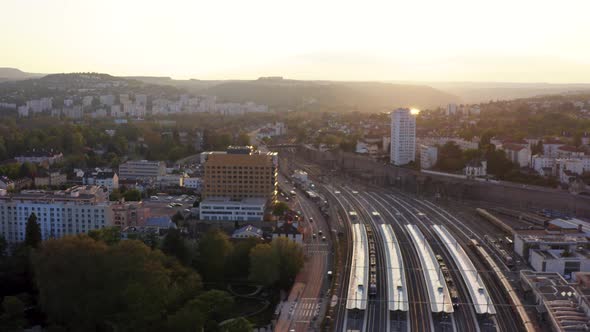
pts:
pixel 170 181
pixel 142 169
pixel 130 214
pixel 288 230
pixel 225 209
pixel 428 156
pixel 40 157
pixel 105 178
pixel 52 179
pixel 551 146
pixel 568 151
pixel 75 210
pixel 519 154
pixel 364 147
pixel 403 137
pixel 6 183
pixel 241 173
pixel 247 232
pixel 476 168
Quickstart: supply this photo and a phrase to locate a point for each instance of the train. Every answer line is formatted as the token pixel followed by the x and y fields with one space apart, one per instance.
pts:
pixel 353 216
pixel 497 222
pixel 449 281
pixel 506 257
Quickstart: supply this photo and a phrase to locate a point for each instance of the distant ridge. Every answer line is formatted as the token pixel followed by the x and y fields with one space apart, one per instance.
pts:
pixel 14 74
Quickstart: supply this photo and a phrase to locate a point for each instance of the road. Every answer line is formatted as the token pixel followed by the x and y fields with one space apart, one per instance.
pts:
pixel 306 302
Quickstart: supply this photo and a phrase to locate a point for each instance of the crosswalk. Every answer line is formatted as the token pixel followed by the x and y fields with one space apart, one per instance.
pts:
pixel 317 248
pixel 305 310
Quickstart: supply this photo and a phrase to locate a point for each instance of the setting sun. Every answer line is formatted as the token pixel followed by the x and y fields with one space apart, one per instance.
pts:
pixel 415 111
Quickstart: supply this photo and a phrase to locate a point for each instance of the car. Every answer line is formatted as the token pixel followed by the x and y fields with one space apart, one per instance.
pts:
pixel 310 219
pixel 320 232
pixel 324 238
pixel 155 198
pixel 313 235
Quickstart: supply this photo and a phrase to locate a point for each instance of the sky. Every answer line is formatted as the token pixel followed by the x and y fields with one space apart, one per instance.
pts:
pixel 413 40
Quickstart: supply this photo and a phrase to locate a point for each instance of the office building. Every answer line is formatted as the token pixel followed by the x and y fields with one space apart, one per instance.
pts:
pixel 142 169
pixel 226 209
pixel 241 173
pixel 403 136
pixel 73 211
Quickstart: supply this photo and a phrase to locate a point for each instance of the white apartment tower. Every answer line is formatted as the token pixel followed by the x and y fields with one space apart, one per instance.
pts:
pixel 403 136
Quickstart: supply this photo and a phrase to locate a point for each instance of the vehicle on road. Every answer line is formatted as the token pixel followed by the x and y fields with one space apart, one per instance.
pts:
pixel 310 219
pixel 313 235
pixel 324 238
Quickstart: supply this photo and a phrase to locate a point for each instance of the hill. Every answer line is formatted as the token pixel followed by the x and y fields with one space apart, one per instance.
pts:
pixel 329 95
pixel 476 92
pixel 13 74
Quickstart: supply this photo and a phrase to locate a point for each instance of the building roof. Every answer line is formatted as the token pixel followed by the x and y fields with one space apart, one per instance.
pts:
pixel 569 148
pixel 160 221
pixel 475 163
pixel 513 147
pixel 229 201
pixel 240 159
pixel 248 229
pixel 286 228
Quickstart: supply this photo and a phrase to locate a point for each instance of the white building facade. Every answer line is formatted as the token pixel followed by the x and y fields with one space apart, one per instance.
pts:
pixel 74 211
pixel 403 137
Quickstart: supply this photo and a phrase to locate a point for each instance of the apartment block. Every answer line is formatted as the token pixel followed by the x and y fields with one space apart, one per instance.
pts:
pixel 73 211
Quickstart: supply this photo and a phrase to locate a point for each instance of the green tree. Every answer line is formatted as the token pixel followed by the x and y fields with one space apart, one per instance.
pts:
pixel 174 244
pixel 450 158
pixel 264 265
pixel 188 319
pixel 290 258
pixel 108 235
pixel 32 232
pixel 238 263
pixel 13 318
pixel 132 195
pixel 85 285
pixel 214 248
pixel 240 324
pixel 280 208
pixel 243 139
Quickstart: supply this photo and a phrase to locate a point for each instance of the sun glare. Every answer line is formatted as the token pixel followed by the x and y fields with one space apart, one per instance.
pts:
pixel 414 111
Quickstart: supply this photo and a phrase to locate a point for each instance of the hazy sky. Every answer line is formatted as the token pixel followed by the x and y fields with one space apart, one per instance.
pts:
pixel 441 40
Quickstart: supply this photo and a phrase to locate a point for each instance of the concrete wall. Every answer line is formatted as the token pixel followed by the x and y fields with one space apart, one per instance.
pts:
pixel 508 195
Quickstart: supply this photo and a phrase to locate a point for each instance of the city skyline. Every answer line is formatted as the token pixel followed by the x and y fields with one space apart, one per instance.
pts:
pixel 385 41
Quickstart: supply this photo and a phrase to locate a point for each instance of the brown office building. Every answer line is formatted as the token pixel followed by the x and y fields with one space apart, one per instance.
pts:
pixel 241 173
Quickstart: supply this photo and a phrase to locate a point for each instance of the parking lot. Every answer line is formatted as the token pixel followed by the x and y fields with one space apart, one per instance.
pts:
pixel 168 205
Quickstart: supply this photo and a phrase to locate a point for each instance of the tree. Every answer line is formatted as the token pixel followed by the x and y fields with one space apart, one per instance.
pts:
pixel 290 259
pixel 280 208
pixel 32 232
pixel 214 248
pixel 238 263
pixel 264 265
pixel 450 158
pixel 240 324
pixel 243 139
pixel 188 319
pixel 86 285
pixel 177 218
pixel 13 318
pixel 174 245
pixel 132 195
pixel 108 235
